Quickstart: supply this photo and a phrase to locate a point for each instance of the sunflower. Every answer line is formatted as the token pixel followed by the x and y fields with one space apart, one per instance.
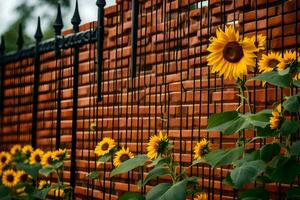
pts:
pixel 157 145
pixel 21 191
pixel 23 177
pixel 201 196
pixel 59 154
pixel 269 62
pixel 16 149
pixel 275 119
pixel 259 42
pixel 5 158
pixel 27 149
pixel 121 156
pixel 104 146
pixel 47 159
pixel 201 149
pixel 289 57
pixel 43 184
pixel 229 55
pixel 1 171
pixel 10 178
pixel 36 157
pixel 57 192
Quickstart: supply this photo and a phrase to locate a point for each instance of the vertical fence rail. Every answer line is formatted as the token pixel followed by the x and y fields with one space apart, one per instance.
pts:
pixel 100 41
pixel 75 22
pixel 2 79
pixel 38 38
pixel 58 25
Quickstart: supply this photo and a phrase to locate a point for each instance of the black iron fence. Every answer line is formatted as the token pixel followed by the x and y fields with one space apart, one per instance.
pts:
pixel 140 69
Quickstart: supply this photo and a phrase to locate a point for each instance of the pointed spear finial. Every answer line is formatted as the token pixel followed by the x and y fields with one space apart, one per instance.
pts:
pixel 38 34
pixel 76 18
pixel 58 24
pixel 101 3
pixel 20 40
pixel 2 46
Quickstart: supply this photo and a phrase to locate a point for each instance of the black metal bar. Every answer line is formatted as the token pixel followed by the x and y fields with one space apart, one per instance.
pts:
pixel 38 38
pixel 2 76
pixel 75 22
pixel 70 41
pixel 58 25
pixel 2 66
pixel 100 40
pixel 20 40
pixel 135 14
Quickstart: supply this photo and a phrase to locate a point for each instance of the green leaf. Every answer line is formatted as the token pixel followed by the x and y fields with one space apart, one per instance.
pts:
pixel 295 148
pixel 176 191
pixel 41 194
pixel 32 170
pixel 223 157
pixel 195 162
pixel 107 156
pixel 93 175
pixel 263 179
pixel 285 170
pixel 269 151
pixel 4 191
pixel 130 164
pixel 47 171
pixel 155 172
pixel 292 104
pixel 247 172
pixel 227 180
pixel 157 191
pixel 266 132
pixel 293 193
pixel 236 125
pixel 274 78
pixel 261 119
pixel 254 194
pixel 58 165
pixel 220 121
pixel 296 83
pixel 132 196
pixel 289 127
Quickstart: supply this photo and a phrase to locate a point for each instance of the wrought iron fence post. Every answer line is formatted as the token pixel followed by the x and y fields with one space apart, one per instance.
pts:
pixel 134 16
pixel 75 22
pixel 100 40
pixel 58 25
pixel 20 40
pixel 38 38
pixel 2 51
pixel 2 71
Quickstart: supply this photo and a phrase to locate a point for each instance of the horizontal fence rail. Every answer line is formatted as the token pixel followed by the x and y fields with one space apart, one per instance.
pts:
pixel 140 69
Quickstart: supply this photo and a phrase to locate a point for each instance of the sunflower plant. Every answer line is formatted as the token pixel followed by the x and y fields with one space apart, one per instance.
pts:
pixel 251 160
pixel 20 172
pixel 159 163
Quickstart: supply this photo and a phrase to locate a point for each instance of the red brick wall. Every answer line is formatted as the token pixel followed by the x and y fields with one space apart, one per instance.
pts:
pixel 173 90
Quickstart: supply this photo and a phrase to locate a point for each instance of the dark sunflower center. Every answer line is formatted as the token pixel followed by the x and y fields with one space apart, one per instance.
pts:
pixel 3 159
pixel 37 158
pixel 204 150
pixel 105 146
pixel 162 146
pixel 49 160
pixel 10 178
pixel 24 177
pixel 273 63
pixel 124 157
pixel 233 52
